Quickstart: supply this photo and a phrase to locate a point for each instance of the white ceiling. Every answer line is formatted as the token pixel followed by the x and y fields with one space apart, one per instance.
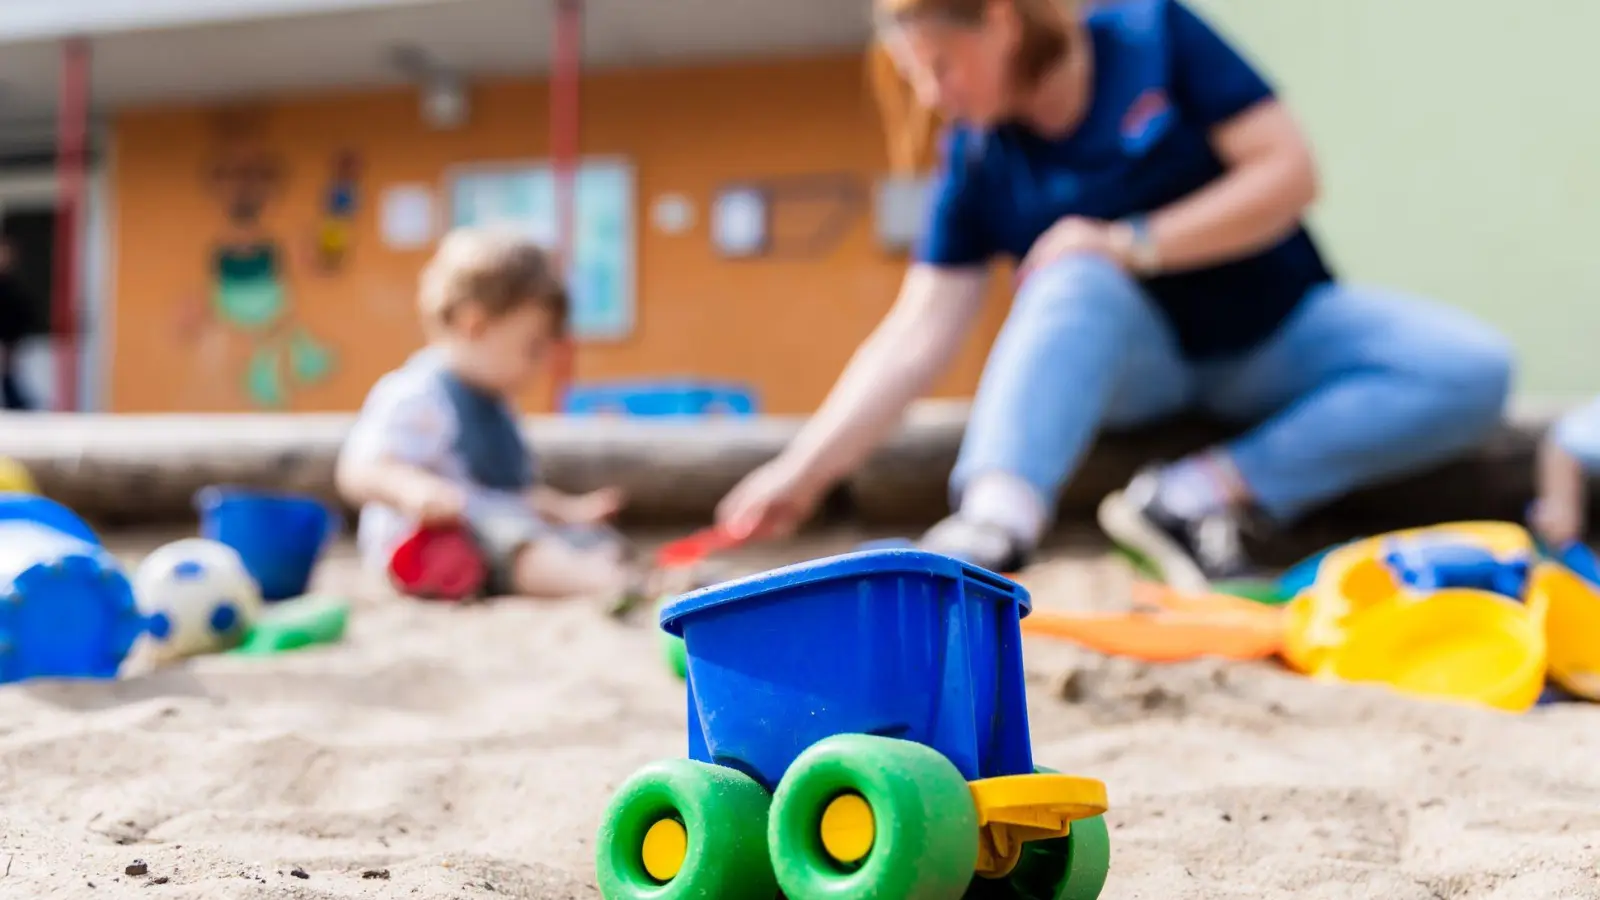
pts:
pixel 477 37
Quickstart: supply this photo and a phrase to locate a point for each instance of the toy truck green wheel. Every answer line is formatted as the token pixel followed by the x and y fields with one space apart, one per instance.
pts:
pixel 1070 868
pixel 681 829
pixel 1074 867
pixel 864 816
pixel 1087 852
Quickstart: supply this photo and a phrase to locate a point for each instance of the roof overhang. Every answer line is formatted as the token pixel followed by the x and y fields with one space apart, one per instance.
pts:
pixel 159 51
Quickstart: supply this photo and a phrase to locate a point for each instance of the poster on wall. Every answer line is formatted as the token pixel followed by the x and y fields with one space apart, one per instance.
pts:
pixel 406 219
pixel 248 298
pixel 600 276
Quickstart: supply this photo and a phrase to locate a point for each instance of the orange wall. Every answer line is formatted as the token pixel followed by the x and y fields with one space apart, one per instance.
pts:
pixel 787 326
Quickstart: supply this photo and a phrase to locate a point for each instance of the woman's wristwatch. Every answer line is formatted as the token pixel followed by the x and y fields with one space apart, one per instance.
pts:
pixel 1136 245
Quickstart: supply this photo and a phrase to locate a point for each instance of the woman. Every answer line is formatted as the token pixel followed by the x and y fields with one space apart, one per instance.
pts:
pixel 1152 188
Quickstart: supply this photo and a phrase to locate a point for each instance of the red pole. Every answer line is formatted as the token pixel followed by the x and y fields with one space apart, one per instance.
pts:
pixel 72 133
pixel 566 72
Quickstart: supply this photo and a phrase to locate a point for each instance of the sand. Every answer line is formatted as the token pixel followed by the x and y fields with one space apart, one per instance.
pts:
pixel 448 753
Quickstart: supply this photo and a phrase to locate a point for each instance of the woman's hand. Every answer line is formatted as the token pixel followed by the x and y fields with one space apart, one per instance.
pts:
pixel 771 502
pixel 1074 235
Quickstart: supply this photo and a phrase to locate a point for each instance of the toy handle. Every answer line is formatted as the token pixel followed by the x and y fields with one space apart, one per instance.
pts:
pixel 207 498
pixel 696 547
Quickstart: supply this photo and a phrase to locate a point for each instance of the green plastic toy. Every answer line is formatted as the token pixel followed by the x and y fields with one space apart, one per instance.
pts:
pixel 671 645
pixel 296 624
pixel 1270 592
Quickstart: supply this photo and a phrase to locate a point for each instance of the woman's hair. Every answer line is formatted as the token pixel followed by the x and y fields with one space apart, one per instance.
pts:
pixel 909 126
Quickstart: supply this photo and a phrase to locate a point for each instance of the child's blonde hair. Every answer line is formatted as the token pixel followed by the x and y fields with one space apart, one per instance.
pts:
pixel 497 271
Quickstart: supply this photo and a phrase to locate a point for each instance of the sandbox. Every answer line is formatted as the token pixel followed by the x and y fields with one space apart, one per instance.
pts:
pixel 442 753
pixel 445 752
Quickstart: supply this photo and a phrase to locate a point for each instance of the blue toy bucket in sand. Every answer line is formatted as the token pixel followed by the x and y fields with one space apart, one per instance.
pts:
pixel 900 643
pixel 279 536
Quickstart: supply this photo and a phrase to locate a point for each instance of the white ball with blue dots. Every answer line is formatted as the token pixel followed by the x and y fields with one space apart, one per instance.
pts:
pixel 197 597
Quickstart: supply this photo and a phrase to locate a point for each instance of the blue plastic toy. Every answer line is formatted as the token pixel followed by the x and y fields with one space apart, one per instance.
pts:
pixel 46 512
pixel 857 728
pixel 66 607
pixel 1581 560
pixel 1303 574
pixel 1443 564
pixel 686 397
pixel 279 536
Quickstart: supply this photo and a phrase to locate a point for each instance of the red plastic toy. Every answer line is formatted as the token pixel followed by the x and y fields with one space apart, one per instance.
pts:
pixel 439 562
pixel 695 548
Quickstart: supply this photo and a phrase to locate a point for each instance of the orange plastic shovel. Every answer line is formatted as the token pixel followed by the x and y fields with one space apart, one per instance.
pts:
pixel 1170 626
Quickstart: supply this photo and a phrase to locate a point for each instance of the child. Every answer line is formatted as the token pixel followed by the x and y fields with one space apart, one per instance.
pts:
pixel 1568 454
pixel 437 440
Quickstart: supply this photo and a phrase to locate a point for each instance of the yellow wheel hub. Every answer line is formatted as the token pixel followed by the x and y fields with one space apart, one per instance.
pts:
pixel 665 846
pixel 848 828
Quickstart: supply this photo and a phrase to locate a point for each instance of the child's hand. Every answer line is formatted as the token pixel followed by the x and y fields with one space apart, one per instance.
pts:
pixel 1555 522
pixel 434 502
pixel 594 507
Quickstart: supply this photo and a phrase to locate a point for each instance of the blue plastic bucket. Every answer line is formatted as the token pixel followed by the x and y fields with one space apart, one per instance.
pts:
pixel 279 536
pixel 897 643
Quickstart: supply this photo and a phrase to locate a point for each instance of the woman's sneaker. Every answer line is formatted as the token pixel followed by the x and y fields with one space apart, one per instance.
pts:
pixel 1186 553
pixel 977 543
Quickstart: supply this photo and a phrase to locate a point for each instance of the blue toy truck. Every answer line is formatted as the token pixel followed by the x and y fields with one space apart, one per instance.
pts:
pixel 857 728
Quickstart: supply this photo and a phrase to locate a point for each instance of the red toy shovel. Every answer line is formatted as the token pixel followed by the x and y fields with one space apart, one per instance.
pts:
pixel 696 547
pixel 439 562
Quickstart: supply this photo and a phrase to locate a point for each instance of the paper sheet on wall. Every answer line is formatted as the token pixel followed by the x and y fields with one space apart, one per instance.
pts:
pixel 406 216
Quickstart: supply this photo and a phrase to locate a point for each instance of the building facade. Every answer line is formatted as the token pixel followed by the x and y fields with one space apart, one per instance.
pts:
pixel 264 223
pixel 267 175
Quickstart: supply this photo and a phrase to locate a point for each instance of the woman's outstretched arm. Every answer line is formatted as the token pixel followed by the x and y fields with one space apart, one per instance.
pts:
pixel 913 345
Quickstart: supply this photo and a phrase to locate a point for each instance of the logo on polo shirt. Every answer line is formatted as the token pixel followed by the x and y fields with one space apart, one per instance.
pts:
pixel 1141 123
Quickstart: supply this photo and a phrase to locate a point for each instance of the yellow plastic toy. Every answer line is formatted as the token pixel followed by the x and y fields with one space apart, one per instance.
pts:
pixel 1465 645
pixel 1455 612
pixel 1359 622
pixel 1572 627
pixel 1354 579
pixel 14 478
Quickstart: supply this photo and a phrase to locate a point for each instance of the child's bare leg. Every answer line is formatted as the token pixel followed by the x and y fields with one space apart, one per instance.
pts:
pixel 550 568
pixel 1559 513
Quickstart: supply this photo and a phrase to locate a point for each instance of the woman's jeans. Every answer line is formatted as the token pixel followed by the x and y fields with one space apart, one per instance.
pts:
pixel 1358 386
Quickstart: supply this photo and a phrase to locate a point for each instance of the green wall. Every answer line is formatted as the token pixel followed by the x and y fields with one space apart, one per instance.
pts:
pixel 1460 150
